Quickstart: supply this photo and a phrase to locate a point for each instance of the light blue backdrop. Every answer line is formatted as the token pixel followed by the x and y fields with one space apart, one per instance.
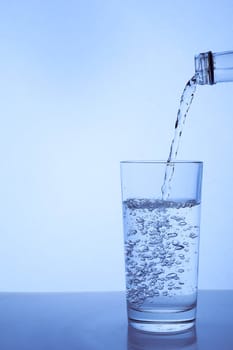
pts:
pixel 83 85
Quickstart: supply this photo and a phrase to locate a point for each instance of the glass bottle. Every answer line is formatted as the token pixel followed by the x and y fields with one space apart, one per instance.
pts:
pixel 212 68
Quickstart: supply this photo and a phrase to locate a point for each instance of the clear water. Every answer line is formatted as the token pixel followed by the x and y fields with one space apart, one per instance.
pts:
pixel 185 103
pixel 161 254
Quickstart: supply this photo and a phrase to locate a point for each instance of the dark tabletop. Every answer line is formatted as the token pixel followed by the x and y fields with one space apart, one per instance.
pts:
pixel 98 321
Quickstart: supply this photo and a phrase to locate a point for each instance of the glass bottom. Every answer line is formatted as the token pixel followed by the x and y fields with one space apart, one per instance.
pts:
pixel 139 340
pixel 162 322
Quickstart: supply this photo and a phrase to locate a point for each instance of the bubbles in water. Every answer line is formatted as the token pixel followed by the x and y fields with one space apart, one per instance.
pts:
pixel 132 232
pixel 178 246
pixel 171 275
pixel 172 235
pixel 157 248
pixel 193 235
pixel 182 223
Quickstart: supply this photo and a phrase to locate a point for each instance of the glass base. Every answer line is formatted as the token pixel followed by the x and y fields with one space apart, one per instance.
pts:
pixel 140 340
pixel 162 322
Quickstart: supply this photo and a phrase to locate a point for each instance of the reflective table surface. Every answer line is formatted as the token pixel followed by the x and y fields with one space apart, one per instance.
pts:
pixel 97 321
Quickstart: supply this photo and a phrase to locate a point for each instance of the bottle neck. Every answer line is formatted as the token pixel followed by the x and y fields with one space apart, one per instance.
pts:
pixel 212 68
pixel 204 68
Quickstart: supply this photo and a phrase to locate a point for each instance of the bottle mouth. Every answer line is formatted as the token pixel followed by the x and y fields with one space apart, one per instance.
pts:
pixel 204 68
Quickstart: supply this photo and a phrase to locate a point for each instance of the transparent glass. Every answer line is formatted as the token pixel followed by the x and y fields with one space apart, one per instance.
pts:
pixel 161 239
pixel 212 68
pixel 138 340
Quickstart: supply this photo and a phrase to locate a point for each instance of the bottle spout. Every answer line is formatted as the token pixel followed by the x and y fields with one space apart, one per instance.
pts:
pixel 204 68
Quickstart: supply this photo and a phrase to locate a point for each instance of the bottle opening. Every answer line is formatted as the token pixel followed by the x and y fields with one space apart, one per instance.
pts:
pixel 204 68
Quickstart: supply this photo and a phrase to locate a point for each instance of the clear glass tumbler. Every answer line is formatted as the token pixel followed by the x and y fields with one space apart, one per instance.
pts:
pixel 161 237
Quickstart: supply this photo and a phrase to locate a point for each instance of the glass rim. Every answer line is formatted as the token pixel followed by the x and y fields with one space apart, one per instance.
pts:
pixel 161 162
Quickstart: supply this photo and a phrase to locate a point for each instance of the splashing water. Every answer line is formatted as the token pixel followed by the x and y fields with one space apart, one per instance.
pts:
pixel 185 103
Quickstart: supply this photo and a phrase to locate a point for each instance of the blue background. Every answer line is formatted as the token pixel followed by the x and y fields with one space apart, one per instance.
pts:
pixel 85 84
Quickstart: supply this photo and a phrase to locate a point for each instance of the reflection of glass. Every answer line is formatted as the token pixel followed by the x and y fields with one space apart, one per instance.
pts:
pixel 161 244
pixel 138 340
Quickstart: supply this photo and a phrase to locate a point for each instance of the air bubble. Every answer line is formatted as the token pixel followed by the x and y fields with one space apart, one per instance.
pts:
pixel 157 271
pixel 171 275
pixel 142 249
pixel 147 256
pixel 178 246
pixel 172 235
pixel 140 220
pixel 193 235
pixel 182 223
pixel 136 281
pixel 177 218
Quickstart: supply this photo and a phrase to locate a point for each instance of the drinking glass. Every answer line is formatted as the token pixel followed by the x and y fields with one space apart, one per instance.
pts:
pixel 161 240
